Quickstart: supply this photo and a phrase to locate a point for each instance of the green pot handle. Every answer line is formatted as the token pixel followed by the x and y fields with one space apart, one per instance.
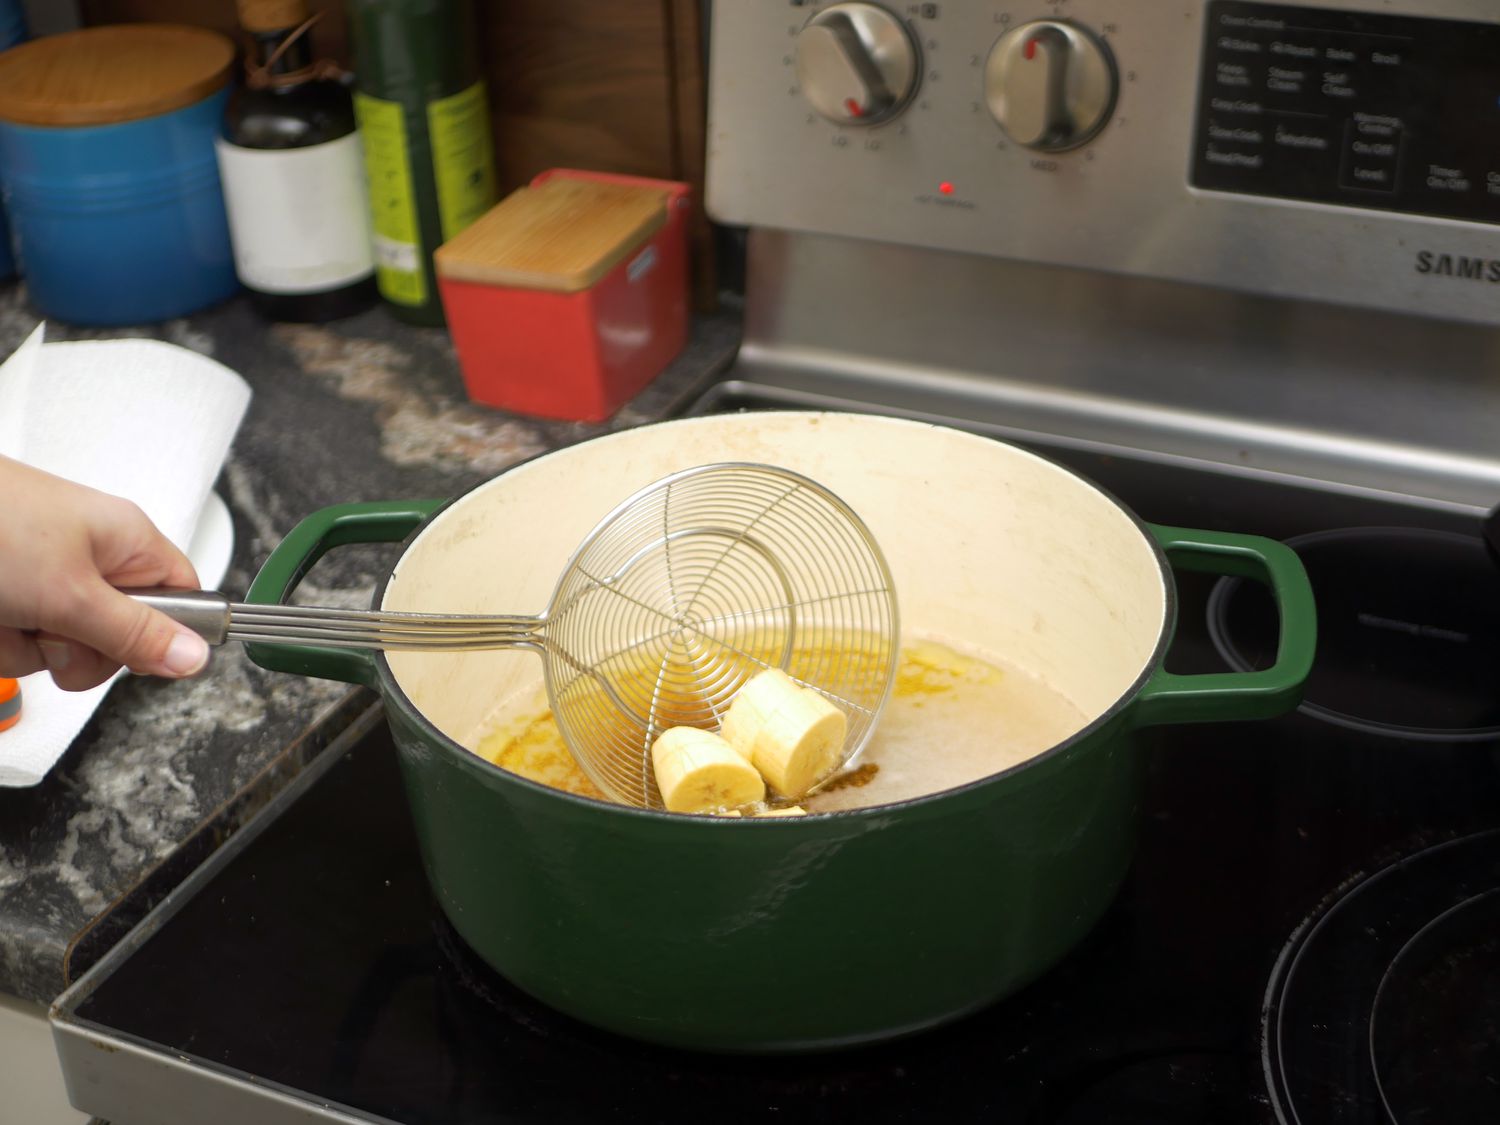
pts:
pixel 378 522
pixel 1172 698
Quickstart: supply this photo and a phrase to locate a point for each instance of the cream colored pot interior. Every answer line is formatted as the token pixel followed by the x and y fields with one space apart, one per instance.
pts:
pixel 990 547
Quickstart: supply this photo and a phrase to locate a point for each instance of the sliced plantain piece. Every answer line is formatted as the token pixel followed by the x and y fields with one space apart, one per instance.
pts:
pixel 697 771
pixel 791 734
pixel 790 810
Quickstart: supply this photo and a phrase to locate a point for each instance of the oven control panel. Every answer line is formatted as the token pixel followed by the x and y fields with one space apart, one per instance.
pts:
pixel 1390 112
pixel 1346 151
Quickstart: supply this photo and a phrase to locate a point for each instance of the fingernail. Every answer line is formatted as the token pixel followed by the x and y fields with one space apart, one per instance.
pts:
pixel 57 654
pixel 187 653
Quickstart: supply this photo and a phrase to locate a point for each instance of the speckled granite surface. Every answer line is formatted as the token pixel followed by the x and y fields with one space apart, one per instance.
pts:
pixel 365 409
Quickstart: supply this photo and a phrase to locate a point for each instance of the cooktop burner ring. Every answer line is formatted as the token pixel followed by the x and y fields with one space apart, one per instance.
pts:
pixel 1380 624
pixel 1422 976
pixel 1338 1011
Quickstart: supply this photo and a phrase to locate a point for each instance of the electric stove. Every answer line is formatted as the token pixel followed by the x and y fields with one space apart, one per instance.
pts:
pixel 1307 934
pixel 1235 263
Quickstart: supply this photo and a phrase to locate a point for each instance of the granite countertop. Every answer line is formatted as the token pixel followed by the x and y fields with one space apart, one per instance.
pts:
pixel 367 408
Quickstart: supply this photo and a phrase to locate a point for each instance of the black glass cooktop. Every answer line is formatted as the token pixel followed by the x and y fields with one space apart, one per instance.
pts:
pixel 1232 981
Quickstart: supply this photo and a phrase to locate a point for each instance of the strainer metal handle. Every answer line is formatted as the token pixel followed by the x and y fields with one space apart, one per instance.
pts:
pixel 218 620
pixel 359 524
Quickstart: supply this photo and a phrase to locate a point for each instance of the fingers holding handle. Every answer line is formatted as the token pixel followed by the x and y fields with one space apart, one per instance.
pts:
pixel 118 630
pixel 64 550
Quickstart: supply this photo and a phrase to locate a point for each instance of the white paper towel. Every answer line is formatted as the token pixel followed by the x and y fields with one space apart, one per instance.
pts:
pixel 141 419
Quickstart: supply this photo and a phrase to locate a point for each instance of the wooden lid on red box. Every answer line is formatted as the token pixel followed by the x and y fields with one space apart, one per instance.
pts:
pixel 562 235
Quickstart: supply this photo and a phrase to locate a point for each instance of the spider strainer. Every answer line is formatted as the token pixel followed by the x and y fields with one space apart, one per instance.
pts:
pixel 694 585
pixel 675 599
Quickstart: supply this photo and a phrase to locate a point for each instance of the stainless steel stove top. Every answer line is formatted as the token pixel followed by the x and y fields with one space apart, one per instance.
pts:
pixel 1343 399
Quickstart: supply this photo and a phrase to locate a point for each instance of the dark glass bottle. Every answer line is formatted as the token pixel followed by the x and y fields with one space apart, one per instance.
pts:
pixel 425 126
pixel 291 167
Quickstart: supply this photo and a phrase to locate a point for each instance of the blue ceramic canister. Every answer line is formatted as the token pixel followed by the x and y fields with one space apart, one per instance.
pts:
pixel 108 171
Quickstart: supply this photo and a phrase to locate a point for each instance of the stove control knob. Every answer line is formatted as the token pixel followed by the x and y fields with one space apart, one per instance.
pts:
pixel 1050 84
pixel 857 64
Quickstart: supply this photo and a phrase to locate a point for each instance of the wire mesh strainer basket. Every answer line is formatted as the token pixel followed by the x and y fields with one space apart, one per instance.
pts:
pixel 694 585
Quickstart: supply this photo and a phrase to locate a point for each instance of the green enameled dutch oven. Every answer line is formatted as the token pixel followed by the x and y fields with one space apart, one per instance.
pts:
pixel 830 930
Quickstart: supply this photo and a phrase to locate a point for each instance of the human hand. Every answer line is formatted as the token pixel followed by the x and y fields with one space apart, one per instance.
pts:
pixel 64 549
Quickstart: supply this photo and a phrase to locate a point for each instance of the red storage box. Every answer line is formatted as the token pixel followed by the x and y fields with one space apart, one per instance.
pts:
pixel 570 295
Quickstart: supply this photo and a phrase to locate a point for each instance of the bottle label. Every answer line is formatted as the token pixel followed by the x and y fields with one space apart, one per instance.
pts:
pixel 299 220
pixel 463 159
pixel 393 205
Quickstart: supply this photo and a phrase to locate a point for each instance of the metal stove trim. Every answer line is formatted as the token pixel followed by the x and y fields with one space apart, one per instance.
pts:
pixel 1342 399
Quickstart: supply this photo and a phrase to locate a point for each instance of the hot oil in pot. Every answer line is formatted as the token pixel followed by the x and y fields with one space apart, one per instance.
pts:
pixel 952 718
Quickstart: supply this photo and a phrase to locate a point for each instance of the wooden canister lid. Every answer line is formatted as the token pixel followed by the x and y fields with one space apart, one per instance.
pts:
pixel 562 235
pixel 271 15
pixel 106 75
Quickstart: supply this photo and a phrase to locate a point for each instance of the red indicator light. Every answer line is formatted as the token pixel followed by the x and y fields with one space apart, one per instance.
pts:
pixel 945 187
